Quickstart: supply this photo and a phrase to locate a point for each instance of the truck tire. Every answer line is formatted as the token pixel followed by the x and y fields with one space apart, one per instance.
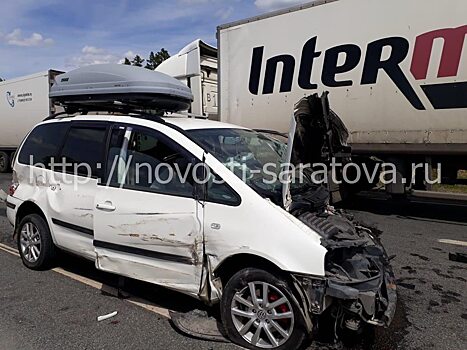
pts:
pixel 4 162
pixel 251 323
pixel 35 244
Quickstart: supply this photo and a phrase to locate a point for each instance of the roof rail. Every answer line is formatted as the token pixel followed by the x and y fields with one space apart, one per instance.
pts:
pixel 81 111
pixel 55 115
pixel 189 115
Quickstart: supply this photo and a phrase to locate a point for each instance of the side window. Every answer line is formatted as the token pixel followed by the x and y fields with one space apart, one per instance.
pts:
pixel 43 144
pixel 149 161
pixel 83 150
pixel 219 192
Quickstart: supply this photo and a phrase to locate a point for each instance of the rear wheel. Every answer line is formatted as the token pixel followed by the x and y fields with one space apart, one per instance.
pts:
pixel 4 162
pixel 258 312
pixel 35 244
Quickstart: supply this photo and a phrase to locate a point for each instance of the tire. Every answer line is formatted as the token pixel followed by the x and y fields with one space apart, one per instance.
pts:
pixel 35 244
pixel 233 305
pixel 4 162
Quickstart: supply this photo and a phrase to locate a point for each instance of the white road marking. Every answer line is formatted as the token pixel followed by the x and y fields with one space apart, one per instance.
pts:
pixel 98 285
pixel 8 249
pixel 149 306
pixel 74 276
pixel 454 242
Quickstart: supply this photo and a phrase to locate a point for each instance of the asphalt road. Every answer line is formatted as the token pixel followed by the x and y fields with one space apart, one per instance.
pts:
pixel 50 310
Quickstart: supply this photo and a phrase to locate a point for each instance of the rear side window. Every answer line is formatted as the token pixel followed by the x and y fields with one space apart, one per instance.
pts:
pixel 83 150
pixel 43 144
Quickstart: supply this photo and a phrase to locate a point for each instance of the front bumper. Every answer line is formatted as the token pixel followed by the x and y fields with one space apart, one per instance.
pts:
pixel 372 301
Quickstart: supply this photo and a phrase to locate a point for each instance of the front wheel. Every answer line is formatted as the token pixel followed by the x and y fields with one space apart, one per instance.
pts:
pixel 258 312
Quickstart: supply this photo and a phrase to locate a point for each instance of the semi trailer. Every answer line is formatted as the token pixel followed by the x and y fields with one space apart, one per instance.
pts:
pixel 24 102
pixel 396 72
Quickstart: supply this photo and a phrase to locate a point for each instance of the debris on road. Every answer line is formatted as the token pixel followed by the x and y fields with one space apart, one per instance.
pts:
pixel 458 257
pixel 198 324
pixel 105 317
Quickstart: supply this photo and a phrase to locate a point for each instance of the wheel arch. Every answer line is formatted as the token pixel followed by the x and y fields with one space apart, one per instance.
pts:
pixel 234 263
pixel 27 208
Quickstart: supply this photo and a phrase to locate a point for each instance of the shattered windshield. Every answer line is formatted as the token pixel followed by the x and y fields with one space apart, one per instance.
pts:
pixel 253 157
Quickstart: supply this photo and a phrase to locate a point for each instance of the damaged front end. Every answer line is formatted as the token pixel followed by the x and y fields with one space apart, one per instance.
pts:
pixel 358 287
pixel 359 283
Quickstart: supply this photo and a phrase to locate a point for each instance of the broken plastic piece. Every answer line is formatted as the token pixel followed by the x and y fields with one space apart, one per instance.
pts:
pixel 105 317
pixel 458 257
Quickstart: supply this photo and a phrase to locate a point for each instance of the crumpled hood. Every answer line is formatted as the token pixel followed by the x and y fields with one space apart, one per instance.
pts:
pixel 316 135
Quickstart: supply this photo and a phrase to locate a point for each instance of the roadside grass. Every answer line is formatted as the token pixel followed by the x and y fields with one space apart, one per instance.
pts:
pixel 457 188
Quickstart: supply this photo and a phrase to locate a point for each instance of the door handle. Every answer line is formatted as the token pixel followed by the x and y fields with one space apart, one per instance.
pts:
pixel 107 206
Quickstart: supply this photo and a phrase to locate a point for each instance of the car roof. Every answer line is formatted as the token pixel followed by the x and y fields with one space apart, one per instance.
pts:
pixel 195 124
pixel 184 123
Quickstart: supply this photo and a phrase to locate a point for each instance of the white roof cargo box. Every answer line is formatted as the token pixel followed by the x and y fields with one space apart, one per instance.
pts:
pixel 120 87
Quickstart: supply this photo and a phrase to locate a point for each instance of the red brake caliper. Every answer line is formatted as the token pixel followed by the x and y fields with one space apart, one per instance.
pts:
pixel 282 309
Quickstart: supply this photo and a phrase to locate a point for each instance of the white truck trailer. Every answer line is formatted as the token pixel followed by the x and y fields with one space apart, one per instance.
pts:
pixel 24 102
pixel 196 66
pixel 396 72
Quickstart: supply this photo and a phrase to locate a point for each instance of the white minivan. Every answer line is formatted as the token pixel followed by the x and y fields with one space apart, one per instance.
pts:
pixel 183 203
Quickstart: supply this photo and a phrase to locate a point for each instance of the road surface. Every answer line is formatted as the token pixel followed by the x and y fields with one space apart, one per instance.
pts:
pixel 58 309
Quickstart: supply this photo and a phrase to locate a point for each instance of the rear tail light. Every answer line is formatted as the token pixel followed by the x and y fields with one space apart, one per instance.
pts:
pixel 14 184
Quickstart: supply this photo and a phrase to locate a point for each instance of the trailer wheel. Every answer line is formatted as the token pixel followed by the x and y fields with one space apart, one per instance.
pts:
pixel 4 162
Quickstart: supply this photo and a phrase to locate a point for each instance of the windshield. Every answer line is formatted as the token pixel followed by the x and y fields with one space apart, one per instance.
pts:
pixel 253 157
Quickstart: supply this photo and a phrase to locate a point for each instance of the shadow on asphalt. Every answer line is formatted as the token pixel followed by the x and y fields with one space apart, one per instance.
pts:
pixel 160 296
pixel 415 209
pixel 380 339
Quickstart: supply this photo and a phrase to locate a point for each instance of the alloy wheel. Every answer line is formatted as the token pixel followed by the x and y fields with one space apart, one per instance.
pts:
pixel 262 315
pixel 30 242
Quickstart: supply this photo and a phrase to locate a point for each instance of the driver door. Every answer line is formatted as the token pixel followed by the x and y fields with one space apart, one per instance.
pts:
pixel 147 224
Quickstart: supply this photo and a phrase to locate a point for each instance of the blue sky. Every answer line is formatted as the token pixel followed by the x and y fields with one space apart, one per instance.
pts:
pixel 37 35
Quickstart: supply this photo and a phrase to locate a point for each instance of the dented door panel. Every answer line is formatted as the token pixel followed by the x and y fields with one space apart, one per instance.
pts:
pixel 258 227
pixel 149 236
pixel 71 212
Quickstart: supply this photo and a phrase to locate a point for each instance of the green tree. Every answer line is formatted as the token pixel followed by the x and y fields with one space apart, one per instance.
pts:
pixel 137 61
pixel 155 59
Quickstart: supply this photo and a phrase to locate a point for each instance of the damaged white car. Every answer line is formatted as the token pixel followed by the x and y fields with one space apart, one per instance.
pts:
pixel 272 253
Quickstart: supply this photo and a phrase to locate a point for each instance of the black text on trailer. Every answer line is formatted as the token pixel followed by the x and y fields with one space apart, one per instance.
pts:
pixel 441 96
